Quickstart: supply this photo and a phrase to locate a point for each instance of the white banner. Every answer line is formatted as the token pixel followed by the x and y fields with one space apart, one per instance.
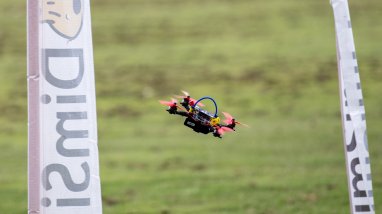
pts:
pixel 353 114
pixel 63 152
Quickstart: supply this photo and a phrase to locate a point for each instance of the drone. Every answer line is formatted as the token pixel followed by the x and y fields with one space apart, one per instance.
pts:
pixel 199 119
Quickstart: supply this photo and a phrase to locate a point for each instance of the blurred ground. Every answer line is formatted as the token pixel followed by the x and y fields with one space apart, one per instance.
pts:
pixel 270 63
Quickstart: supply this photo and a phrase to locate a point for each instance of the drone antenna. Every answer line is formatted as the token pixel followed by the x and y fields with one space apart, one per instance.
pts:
pixel 209 98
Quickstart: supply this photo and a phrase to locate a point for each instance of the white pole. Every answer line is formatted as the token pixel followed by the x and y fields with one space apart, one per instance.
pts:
pixel 353 114
pixel 33 108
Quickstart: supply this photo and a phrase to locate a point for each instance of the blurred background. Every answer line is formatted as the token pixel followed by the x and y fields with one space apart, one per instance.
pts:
pixel 272 64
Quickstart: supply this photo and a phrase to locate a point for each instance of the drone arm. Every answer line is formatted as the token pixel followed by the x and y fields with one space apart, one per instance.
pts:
pixel 175 111
pixel 182 113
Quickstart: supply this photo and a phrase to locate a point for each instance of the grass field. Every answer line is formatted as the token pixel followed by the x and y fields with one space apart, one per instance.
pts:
pixel 270 63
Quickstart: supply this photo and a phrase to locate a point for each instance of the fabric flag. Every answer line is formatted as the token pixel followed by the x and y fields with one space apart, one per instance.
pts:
pixel 353 114
pixel 63 166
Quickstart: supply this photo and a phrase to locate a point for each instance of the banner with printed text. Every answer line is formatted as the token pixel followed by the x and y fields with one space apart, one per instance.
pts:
pixel 63 153
pixel 353 114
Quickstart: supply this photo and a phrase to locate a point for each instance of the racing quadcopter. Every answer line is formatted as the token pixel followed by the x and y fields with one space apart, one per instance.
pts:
pixel 199 119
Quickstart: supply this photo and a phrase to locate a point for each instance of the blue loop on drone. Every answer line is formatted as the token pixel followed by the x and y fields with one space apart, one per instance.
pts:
pixel 209 98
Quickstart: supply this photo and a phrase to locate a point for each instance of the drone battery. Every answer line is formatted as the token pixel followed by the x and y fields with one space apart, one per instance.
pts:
pixel 189 123
pixel 197 127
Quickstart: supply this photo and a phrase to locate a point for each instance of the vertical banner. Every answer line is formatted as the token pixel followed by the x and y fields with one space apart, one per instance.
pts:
pixel 63 165
pixel 353 114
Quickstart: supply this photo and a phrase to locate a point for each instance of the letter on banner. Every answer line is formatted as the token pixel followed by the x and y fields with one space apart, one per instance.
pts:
pixel 353 114
pixel 63 153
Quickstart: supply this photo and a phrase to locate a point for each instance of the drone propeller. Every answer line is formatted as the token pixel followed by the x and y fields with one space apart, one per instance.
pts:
pixel 169 103
pixel 192 101
pixel 223 129
pixel 229 120
pixel 172 103
pixel 185 93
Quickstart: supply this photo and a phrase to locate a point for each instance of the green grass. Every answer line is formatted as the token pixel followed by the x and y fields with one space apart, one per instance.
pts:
pixel 270 63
